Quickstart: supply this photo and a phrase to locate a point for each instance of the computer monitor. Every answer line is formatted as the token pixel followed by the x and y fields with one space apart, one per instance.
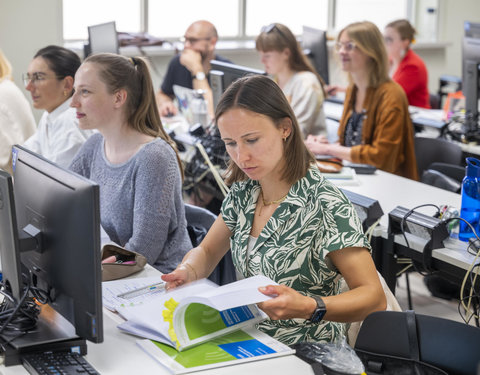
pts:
pixel 50 228
pixel 314 44
pixel 223 74
pixel 470 74
pixel 103 38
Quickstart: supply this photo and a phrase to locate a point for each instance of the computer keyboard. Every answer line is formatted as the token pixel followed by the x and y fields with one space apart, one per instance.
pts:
pixel 64 363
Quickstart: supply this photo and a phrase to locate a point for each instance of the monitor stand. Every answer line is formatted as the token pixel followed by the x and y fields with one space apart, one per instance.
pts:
pixel 53 332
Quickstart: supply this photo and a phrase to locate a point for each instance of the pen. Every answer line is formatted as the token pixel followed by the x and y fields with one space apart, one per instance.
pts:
pixel 143 290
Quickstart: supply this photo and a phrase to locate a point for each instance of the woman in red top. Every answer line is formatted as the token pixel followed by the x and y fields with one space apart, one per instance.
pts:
pixel 407 68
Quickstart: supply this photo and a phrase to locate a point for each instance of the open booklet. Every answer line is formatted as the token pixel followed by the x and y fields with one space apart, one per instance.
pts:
pixel 234 348
pixel 197 312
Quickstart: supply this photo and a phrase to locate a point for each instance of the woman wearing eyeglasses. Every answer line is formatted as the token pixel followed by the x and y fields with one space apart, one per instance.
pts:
pixel 284 60
pixel 406 67
pixel 16 118
pixel 50 80
pixel 375 126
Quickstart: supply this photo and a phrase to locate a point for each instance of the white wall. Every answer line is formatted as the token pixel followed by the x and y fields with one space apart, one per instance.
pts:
pixel 25 27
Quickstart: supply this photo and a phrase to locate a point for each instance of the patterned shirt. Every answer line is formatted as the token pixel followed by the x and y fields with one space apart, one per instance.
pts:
pixel 315 219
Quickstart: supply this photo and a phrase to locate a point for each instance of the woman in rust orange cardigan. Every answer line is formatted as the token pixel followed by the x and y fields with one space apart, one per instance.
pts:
pixel 375 127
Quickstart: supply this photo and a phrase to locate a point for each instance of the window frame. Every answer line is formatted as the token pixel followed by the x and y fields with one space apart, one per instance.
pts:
pixel 242 7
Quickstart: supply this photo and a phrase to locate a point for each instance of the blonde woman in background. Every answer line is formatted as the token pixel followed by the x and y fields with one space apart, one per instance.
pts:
pixel 375 127
pixel 16 118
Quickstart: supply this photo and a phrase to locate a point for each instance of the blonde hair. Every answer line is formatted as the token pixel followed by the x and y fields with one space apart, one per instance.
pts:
pixel 368 39
pixel 5 67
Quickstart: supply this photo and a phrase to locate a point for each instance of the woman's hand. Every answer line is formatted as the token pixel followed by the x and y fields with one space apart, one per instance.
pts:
pixel 318 144
pixel 287 303
pixel 183 274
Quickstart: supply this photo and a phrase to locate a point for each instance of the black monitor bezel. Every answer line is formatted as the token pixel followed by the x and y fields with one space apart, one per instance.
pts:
pixel 78 295
pixel 314 44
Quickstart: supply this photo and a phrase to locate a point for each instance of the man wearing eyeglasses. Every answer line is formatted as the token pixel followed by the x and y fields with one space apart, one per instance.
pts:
pixel 190 68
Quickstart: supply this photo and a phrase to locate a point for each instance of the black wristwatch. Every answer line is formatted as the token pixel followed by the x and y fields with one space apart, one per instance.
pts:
pixel 320 310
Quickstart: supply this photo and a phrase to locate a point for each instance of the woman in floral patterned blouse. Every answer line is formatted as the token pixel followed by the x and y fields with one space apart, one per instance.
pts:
pixel 284 220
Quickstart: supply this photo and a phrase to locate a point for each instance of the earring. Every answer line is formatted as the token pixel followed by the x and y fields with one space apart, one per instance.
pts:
pixel 65 93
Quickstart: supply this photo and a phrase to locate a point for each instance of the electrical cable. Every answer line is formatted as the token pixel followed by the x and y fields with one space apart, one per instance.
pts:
pixel 370 229
pixel 17 318
pixel 468 274
pixel 402 227
pixel 221 184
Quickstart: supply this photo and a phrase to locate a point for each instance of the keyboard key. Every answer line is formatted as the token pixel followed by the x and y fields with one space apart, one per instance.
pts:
pixel 57 363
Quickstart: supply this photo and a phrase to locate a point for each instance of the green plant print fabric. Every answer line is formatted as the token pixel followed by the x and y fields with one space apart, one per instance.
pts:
pixel 315 219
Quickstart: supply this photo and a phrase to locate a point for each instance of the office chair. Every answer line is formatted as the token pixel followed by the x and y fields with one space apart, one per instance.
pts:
pixel 431 150
pixel 445 176
pixel 433 177
pixel 199 221
pixel 392 341
pixel 453 171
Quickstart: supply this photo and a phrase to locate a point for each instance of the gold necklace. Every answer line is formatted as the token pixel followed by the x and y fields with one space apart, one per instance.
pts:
pixel 265 203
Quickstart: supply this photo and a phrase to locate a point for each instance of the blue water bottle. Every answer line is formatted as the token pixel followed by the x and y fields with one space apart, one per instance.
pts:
pixel 470 210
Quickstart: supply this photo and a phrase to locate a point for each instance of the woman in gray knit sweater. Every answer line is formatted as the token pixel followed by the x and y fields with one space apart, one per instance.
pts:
pixel 132 159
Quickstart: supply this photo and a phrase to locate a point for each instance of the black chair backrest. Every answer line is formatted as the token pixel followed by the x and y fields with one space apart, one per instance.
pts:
pixel 199 221
pixel 451 346
pixel 433 177
pixel 453 171
pixel 431 150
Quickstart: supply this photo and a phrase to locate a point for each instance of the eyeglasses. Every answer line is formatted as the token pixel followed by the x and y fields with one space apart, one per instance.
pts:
pixel 347 46
pixel 269 28
pixel 185 39
pixel 35 78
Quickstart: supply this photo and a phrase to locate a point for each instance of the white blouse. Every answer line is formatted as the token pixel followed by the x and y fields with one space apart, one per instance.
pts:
pixel 58 137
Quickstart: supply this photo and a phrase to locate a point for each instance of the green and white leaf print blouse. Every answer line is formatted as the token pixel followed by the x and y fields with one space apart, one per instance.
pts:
pixel 315 219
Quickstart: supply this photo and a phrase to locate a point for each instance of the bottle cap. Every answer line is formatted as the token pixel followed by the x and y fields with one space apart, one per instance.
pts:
pixel 473 167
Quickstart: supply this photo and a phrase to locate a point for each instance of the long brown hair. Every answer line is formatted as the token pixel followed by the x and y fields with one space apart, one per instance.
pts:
pixel 260 94
pixel 132 74
pixel 277 37
pixel 368 39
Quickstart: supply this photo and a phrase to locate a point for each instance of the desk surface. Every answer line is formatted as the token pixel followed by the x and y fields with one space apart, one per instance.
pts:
pixel 119 354
pixel 392 191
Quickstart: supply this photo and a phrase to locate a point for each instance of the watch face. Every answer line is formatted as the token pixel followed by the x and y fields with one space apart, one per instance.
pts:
pixel 319 312
pixel 200 76
pixel 317 315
